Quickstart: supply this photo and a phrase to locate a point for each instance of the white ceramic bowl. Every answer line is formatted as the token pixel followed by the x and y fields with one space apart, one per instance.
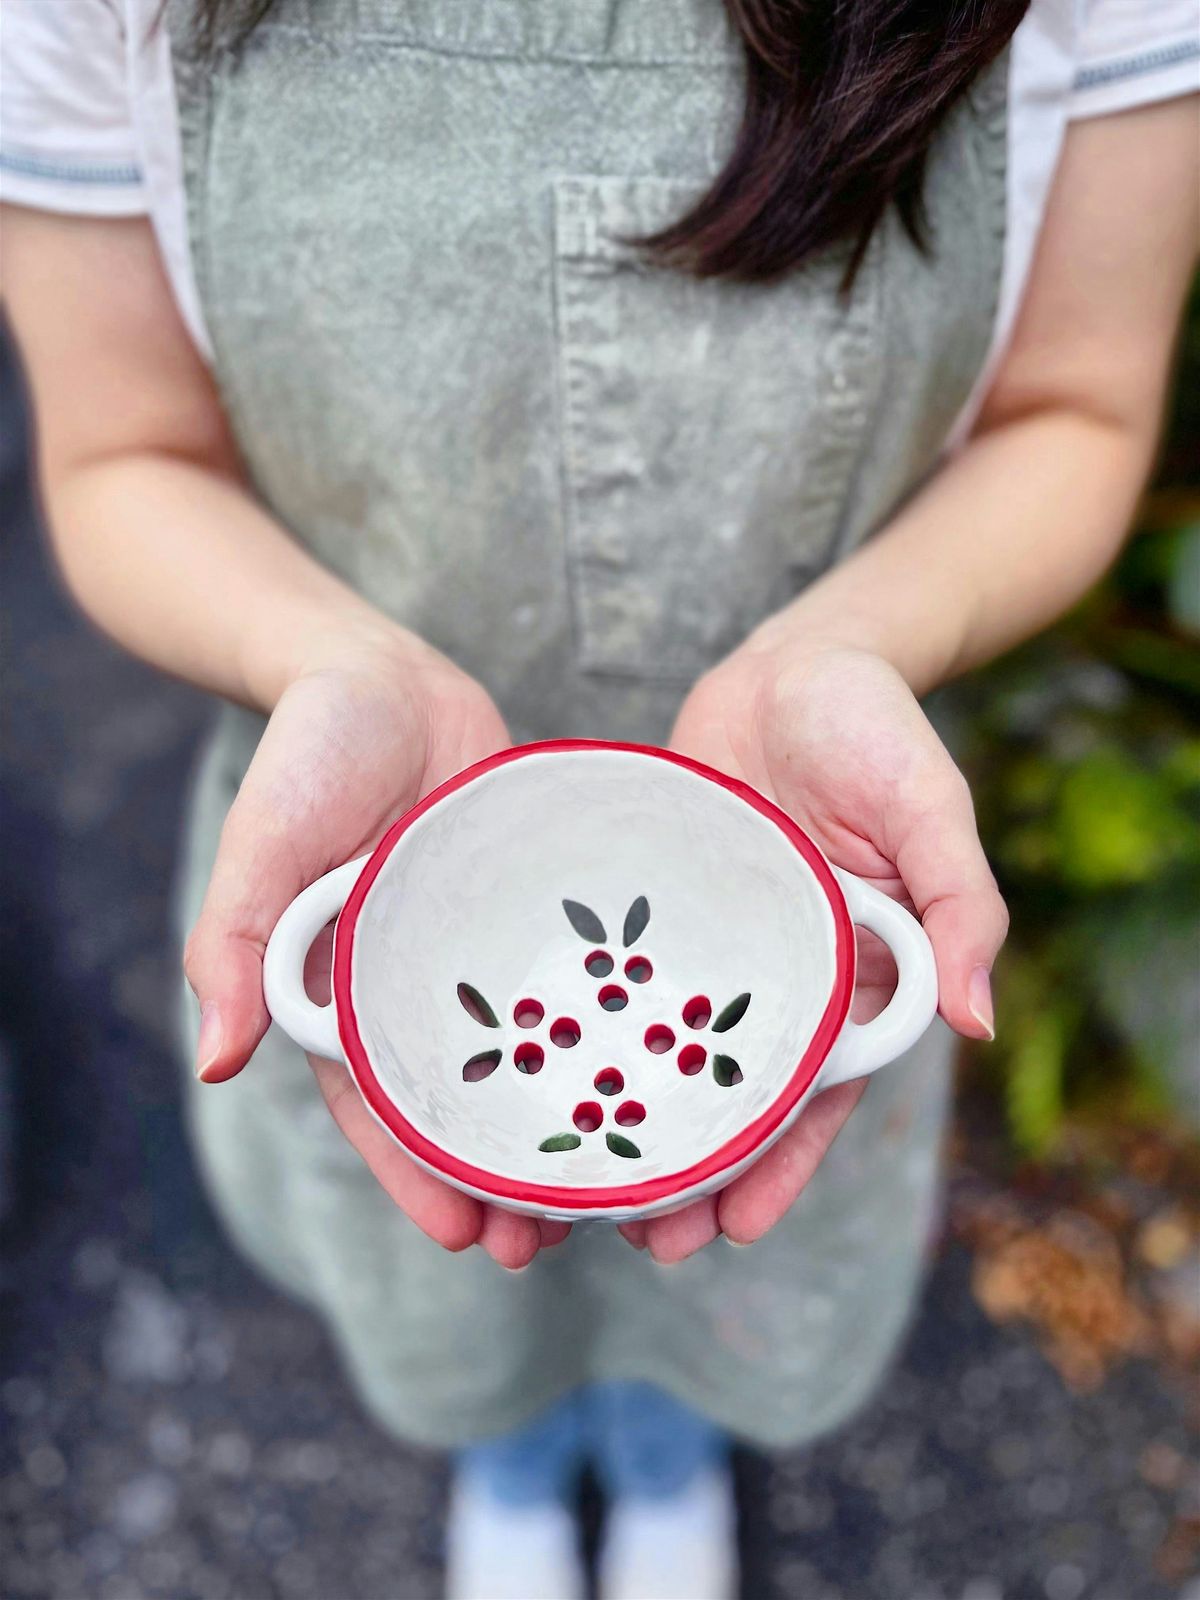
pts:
pixel 584 979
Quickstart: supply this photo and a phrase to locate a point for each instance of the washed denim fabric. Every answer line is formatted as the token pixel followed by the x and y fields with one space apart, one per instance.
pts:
pixel 585 479
pixel 639 1441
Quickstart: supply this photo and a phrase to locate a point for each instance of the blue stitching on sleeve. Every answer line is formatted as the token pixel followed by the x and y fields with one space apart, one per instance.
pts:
pixel 25 166
pixel 1136 66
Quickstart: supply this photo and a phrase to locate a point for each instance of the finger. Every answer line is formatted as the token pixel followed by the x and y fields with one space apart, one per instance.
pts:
pixel 552 1232
pixel 634 1232
pixel 754 1203
pixel 255 876
pixel 675 1237
pixel 451 1218
pixel 875 976
pixel 510 1240
pixel 943 865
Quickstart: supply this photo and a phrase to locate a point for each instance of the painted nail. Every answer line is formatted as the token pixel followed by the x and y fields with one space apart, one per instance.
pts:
pixel 208 1046
pixel 979 1000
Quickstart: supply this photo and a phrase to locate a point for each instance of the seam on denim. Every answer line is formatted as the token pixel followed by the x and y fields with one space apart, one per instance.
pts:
pixel 1137 66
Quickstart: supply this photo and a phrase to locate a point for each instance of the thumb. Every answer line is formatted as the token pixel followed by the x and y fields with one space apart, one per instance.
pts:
pixel 255 877
pixel 945 871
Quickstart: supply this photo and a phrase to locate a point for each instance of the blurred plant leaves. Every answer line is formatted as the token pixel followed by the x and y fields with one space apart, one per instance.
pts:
pixel 1083 748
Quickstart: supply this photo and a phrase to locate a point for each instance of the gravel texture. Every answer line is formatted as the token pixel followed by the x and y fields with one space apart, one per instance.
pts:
pixel 171 1427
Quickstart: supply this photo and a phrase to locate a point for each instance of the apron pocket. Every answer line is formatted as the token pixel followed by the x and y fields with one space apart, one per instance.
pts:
pixel 709 432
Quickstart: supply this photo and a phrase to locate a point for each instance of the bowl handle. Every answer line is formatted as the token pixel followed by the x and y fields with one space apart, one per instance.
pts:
pixel 861 1048
pixel 313 1027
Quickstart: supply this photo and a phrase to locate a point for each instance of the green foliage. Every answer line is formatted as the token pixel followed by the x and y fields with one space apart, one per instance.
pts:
pixel 1084 753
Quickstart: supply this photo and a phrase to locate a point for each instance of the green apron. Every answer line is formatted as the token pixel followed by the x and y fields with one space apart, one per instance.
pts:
pixel 585 480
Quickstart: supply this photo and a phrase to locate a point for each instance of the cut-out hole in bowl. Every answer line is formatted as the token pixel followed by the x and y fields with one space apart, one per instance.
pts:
pixel 528 1013
pixel 529 1057
pixel 613 997
pixel 691 1059
pixel 630 1113
pixel 621 1146
pixel 732 1014
pixel 588 1116
pixel 565 1033
pixel 698 1011
pixel 638 969
pixel 585 922
pixel 636 919
pixel 609 1081
pixel 476 1006
pixel 561 1141
pixel 659 1038
pixel 599 964
pixel 481 1066
pixel 726 1071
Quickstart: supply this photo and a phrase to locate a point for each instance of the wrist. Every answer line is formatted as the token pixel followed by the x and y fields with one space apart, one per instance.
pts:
pixel 347 635
pixel 811 627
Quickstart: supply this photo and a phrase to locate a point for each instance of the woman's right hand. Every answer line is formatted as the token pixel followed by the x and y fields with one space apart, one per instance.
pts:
pixel 358 736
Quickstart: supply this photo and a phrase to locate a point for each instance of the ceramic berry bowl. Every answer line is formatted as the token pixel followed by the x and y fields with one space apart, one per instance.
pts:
pixel 594 980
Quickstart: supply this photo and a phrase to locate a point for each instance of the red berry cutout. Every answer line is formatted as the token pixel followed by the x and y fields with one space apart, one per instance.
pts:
pixel 659 1038
pixel 613 998
pixel 691 1059
pixel 609 1081
pixel 698 1011
pixel 528 1013
pixel 638 969
pixel 630 1113
pixel 565 1033
pixel 529 1057
pixel 588 1116
pixel 599 964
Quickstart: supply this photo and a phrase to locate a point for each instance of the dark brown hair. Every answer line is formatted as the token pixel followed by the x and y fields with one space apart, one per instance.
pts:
pixel 843 98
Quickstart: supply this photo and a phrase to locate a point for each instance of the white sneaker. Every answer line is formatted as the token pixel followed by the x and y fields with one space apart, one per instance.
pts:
pixel 500 1552
pixel 683 1547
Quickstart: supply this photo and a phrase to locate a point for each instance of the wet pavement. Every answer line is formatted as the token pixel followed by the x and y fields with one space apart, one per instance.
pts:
pixel 169 1426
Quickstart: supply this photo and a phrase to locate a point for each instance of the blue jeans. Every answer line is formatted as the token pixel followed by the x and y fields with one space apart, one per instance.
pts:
pixel 638 1440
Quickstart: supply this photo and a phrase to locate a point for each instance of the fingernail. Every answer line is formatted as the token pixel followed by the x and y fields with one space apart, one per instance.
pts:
pixel 516 1271
pixel 738 1244
pixel 208 1046
pixel 979 1000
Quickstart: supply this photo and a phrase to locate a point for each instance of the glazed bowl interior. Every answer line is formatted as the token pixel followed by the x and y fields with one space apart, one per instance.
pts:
pixel 472 894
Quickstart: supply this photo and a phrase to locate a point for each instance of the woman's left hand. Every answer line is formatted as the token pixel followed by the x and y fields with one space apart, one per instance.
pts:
pixel 836 738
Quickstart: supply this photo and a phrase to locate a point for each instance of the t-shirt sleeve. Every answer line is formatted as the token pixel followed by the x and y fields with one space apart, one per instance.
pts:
pixel 1134 52
pixel 66 125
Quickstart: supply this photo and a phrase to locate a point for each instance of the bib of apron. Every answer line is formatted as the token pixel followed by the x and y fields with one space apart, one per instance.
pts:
pixel 584 477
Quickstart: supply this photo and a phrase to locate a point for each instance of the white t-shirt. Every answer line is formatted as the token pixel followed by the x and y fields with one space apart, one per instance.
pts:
pixel 88 120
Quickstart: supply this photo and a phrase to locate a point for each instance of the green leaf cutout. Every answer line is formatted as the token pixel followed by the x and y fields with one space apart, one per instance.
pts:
pixel 481 1066
pixel 585 922
pixel 620 1146
pixel 561 1141
pixel 636 919
pixel 732 1014
pixel 726 1071
pixel 476 1006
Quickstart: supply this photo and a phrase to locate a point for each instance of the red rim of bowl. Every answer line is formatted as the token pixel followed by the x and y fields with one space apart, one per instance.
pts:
pixel 613 1196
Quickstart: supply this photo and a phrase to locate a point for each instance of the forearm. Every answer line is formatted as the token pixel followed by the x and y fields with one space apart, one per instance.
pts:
pixel 179 564
pixel 1004 539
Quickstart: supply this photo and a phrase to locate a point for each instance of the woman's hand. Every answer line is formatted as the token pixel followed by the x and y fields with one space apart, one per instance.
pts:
pixel 837 740
pixel 361 734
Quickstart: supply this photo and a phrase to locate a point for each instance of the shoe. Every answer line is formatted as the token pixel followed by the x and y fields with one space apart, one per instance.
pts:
pixel 680 1547
pixel 502 1552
